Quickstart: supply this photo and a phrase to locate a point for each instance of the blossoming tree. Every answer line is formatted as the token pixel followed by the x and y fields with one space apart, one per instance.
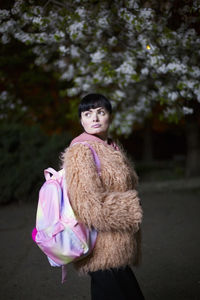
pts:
pixel 140 53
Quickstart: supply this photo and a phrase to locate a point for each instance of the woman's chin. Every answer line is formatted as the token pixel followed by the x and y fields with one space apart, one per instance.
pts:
pixel 96 131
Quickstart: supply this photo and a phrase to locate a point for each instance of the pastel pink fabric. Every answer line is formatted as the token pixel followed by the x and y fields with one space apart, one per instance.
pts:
pixel 57 232
pixel 93 138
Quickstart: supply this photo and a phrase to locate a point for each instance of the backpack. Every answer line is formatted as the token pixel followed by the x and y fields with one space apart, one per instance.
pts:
pixel 58 233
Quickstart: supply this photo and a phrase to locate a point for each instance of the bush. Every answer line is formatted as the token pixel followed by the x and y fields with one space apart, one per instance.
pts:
pixel 25 152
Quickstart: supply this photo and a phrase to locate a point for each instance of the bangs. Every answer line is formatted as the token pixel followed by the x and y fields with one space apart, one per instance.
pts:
pixel 92 105
pixel 93 101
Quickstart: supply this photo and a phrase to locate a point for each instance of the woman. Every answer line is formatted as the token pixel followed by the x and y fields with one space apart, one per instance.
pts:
pixel 107 203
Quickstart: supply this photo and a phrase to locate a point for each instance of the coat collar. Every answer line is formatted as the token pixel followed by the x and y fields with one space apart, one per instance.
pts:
pixel 93 138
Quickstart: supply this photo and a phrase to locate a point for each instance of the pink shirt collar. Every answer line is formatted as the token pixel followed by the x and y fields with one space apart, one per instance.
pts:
pixel 90 137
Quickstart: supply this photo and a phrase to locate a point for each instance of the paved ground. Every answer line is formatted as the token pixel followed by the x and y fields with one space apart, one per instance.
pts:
pixel 171 252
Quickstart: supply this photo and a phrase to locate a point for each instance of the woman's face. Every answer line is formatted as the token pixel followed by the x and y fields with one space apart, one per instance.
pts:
pixel 96 121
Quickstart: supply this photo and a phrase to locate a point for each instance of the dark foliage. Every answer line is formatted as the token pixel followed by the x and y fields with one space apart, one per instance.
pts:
pixel 25 153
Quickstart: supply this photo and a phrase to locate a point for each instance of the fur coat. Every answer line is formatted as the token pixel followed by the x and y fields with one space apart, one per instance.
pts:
pixel 109 203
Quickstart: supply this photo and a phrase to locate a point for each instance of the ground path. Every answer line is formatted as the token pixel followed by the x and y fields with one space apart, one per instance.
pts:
pixel 171 251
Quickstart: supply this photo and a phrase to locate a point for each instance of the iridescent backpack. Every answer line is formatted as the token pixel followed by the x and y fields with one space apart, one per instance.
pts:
pixel 58 233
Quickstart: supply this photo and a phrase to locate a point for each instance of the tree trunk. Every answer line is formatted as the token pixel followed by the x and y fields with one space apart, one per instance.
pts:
pixel 148 143
pixel 193 148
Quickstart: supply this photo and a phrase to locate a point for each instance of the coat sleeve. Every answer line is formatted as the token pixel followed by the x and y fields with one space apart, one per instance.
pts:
pixel 93 205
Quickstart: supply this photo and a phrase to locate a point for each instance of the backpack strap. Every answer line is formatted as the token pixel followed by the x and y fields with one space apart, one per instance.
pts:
pixel 53 174
pixel 48 173
pixel 95 156
pixel 93 233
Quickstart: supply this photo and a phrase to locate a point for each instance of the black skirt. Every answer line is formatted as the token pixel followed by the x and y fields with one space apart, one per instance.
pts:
pixel 116 284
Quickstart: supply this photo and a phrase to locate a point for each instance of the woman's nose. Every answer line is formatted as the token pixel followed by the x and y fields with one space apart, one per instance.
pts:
pixel 95 118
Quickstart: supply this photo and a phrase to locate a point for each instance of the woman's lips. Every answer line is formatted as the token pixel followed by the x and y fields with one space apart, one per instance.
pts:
pixel 96 126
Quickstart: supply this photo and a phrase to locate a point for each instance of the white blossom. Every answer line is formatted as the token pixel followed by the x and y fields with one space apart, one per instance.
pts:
pixel 107 80
pixel 97 56
pixel 177 67
pixel 140 63
pixel 146 13
pixel 132 4
pixel 127 17
pixel 141 105
pixel 158 83
pixel 153 60
pixel 81 11
pixel 163 41
pixel 59 34
pixel 103 22
pixel 63 49
pixel 68 74
pixel 169 111
pixel 153 95
pixel 112 41
pixel 190 84
pixel 4 14
pixel 197 93
pixel 23 37
pixel 196 72
pixel 26 17
pixel 187 110
pixel 16 9
pixel 183 93
pixel 75 30
pixel 4 95
pixel 61 64
pixel 86 87
pixel 74 51
pixel 8 26
pixel 99 33
pixel 5 39
pixel 40 60
pixel 162 69
pixel 119 95
pixel 83 69
pixel 37 20
pixel 145 71
pixel 98 76
pixel 173 95
pixel 126 68
pixel 79 81
pixel 73 92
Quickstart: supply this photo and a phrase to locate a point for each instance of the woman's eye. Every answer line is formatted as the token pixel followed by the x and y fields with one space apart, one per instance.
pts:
pixel 102 112
pixel 87 114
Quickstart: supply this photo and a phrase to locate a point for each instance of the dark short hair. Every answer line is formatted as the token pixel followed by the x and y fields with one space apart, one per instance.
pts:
pixel 94 101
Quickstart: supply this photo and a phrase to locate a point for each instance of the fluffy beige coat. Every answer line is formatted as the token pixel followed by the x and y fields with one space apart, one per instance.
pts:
pixel 109 203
